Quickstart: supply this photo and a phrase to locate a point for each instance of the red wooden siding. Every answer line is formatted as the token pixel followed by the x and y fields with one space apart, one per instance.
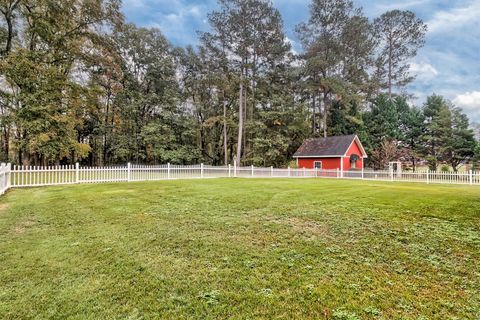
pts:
pixel 354 149
pixel 334 163
pixel 327 163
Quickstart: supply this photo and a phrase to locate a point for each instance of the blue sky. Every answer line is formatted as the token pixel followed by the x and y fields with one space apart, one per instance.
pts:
pixel 449 64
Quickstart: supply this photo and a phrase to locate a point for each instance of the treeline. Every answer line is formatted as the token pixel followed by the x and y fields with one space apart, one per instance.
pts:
pixel 80 84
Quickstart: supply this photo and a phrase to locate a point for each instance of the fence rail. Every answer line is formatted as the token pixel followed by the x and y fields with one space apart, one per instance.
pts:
pixel 31 176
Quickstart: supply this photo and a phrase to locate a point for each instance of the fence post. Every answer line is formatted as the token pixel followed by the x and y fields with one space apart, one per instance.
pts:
pixel 271 171
pixel 168 171
pixel 129 165
pixel 229 171
pixel 391 174
pixel 9 172
pixel 338 173
pixel 235 169
pixel 471 176
pixel 77 172
pixel 363 176
pixel 201 170
pixel 3 168
pixel 288 171
pixel 428 176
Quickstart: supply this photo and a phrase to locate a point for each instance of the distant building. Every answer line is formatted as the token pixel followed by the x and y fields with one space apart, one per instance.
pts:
pixel 339 152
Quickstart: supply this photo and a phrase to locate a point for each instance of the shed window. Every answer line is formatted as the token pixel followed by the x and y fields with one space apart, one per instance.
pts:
pixel 353 161
pixel 317 164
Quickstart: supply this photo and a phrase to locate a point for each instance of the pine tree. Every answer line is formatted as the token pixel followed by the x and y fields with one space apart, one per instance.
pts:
pixel 400 35
pixel 460 146
pixel 248 36
pixel 338 45
pixel 437 126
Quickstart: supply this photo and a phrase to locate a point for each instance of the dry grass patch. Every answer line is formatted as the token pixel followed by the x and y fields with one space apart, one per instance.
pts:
pixel 309 228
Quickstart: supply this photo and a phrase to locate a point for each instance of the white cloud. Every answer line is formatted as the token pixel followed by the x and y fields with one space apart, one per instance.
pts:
pixel 424 71
pixel 470 103
pixel 470 100
pixel 454 18
pixel 293 45
pixel 177 19
pixel 378 7
pixel 402 5
pixel 134 4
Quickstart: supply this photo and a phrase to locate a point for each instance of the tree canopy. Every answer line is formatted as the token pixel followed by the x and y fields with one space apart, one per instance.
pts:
pixel 78 83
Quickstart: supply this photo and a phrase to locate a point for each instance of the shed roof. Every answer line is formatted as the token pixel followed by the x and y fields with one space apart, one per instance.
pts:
pixel 336 146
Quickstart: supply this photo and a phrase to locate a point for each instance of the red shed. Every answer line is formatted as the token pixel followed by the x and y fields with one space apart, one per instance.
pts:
pixel 339 152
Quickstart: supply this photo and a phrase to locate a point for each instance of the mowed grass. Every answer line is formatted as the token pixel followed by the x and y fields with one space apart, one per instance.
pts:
pixel 241 249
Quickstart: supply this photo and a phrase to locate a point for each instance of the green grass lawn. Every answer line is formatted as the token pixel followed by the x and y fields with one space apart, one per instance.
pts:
pixel 241 249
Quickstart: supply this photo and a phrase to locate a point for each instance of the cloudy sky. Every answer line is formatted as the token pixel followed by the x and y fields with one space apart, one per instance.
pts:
pixel 448 65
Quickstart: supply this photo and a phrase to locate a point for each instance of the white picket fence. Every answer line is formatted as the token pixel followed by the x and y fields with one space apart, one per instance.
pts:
pixel 32 176
pixel 5 174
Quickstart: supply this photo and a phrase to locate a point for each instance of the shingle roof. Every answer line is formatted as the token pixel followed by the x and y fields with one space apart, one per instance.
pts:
pixel 321 147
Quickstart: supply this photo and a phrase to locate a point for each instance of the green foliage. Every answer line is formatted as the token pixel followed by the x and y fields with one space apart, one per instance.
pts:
pixel 282 131
pixel 345 119
pixel 393 120
pixel 47 118
pixel 383 121
pixel 40 64
pixel 447 134
pixel 249 45
pixel 339 45
pixel 476 157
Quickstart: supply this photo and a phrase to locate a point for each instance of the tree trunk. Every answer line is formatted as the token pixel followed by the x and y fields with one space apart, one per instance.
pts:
pixel 6 143
pixel 8 14
pixel 225 139
pixel 390 69
pixel 240 121
pixel 314 115
pixel 105 140
pixel 245 109
pixel 8 46
pixel 325 113
pixel 254 79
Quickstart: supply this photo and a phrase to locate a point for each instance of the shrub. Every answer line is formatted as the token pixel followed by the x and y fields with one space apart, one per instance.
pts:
pixel 445 168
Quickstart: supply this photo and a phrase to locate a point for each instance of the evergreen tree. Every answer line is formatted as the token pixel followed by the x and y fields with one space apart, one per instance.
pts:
pixel 400 34
pixel 382 121
pixel 460 145
pixel 437 127
pixel 248 36
pixel 338 45
pixel 476 157
pixel 413 126
pixel 345 119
